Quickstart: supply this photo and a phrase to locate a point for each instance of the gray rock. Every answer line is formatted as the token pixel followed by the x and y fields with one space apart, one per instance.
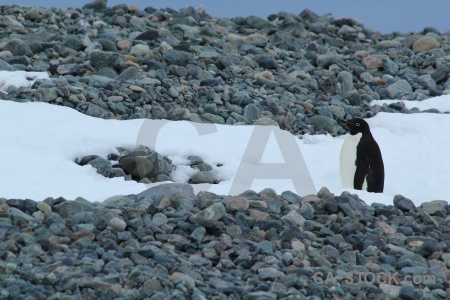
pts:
pixel 307 211
pixel 251 112
pixel 84 217
pixel 69 208
pixel 211 82
pixel 17 215
pixel 266 61
pixel 237 204
pixel 202 177
pixel 403 203
pixel 265 122
pixel 97 111
pixel 260 295
pixel 326 60
pixel 107 44
pixel 74 43
pixel 4 66
pixel 130 73
pixel 441 73
pixel 209 54
pixel 49 94
pixel 7 21
pixel 212 118
pixel 291 197
pixel 163 178
pixel 95 5
pixel 195 160
pixel 103 166
pixel 268 83
pixel 425 43
pixel 433 207
pixel 346 80
pixel 389 66
pixel 117 172
pixel 18 48
pixel 68 69
pixel 398 88
pixel 173 191
pixel 426 249
pixel 326 123
pixel 367 77
pixel 221 285
pixel 210 214
pixel 265 247
pixel 138 167
pixel 258 23
pixel 176 57
pixel 202 75
pixel 161 163
pixel 294 218
pixel 229 60
pixel 118 224
pixel 158 111
pixel 103 59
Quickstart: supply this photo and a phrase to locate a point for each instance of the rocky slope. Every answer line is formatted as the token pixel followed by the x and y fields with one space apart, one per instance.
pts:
pixel 303 72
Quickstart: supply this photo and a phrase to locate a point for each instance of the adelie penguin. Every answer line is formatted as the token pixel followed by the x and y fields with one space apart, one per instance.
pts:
pixel 361 163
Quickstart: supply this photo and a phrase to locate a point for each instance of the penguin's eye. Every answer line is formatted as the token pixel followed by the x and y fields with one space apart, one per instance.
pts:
pixel 357 124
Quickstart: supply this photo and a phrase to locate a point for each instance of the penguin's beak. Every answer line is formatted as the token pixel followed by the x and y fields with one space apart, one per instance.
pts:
pixel 344 124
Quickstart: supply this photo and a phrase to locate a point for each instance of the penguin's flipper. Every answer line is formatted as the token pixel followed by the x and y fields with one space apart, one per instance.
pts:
pixel 362 169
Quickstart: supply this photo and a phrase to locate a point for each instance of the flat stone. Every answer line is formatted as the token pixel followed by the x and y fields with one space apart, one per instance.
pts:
pixel 374 61
pixel 237 204
pixel 180 276
pixel 426 43
pixel 42 206
pixel 136 88
pixel 212 213
pixel 397 88
pixel 433 207
pixel 169 190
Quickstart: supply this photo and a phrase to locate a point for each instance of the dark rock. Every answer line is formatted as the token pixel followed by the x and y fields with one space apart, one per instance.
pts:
pixel 266 61
pixel 96 5
pixel 404 204
pixel 103 59
pixel 148 35
pixel 138 167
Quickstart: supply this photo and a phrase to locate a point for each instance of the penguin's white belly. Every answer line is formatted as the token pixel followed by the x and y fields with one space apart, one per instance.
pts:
pixel 347 161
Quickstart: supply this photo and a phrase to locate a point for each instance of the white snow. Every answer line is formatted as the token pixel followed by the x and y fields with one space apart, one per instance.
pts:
pixel 19 78
pixel 441 102
pixel 40 142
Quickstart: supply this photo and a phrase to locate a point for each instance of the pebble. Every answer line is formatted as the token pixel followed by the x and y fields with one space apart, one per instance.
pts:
pixel 118 224
pixel 425 43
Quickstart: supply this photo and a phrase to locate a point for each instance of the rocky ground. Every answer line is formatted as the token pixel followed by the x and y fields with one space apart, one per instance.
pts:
pixel 304 73
pixel 168 243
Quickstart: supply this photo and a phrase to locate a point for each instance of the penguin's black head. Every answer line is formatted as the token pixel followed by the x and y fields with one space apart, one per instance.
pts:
pixel 357 125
